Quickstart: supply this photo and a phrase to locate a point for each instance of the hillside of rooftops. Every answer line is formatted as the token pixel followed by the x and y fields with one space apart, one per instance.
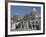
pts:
pixel 31 20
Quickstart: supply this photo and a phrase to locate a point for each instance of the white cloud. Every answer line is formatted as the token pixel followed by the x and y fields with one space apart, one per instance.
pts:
pixel 16 13
pixel 34 9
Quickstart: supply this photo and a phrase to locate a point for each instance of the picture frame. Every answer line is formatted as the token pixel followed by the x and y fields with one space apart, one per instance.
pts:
pixel 17 8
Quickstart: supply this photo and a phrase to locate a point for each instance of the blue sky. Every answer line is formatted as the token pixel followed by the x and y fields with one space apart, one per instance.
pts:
pixel 22 10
